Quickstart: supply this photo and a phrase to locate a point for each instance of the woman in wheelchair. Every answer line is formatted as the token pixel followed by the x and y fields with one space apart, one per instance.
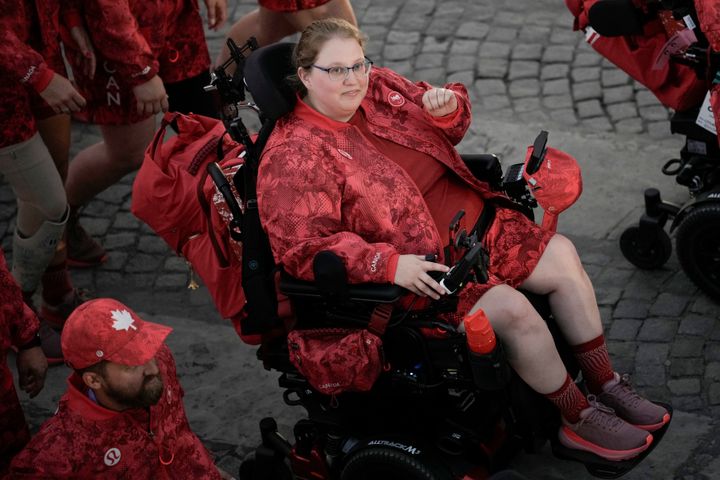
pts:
pixel 365 166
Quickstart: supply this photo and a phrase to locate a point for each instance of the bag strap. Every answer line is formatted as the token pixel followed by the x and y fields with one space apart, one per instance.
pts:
pixel 379 319
pixel 205 206
pixel 168 119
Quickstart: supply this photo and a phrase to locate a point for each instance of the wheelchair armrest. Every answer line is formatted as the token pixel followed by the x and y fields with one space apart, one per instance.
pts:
pixel 485 167
pixel 361 292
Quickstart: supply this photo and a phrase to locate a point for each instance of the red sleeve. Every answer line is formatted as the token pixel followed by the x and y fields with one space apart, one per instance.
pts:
pixel 708 12
pixel 71 13
pixel 21 321
pixel 300 197
pixel 116 35
pixel 17 59
pixel 454 125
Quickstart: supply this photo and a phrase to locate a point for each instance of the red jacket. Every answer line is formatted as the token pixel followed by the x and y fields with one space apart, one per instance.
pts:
pixel 28 31
pixel 141 37
pixel 323 186
pixel 85 440
pixel 18 325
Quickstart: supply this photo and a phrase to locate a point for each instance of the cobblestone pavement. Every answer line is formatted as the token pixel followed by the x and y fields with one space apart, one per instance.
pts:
pixel 524 66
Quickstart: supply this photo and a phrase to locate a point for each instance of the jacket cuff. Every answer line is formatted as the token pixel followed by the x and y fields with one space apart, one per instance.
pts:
pixel 41 78
pixel 392 267
pixel 446 121
pixel 142 75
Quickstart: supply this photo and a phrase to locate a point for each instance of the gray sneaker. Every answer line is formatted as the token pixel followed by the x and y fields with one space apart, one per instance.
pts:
pixel 619 395
pixel 603 433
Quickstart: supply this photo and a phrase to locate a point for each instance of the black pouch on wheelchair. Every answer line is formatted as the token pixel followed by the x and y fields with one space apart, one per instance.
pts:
pixel 491 371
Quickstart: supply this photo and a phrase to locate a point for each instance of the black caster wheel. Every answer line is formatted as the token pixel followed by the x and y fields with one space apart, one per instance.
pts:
pixel 251 469
pixel 381 462
pixel 647 257
pixel 698 247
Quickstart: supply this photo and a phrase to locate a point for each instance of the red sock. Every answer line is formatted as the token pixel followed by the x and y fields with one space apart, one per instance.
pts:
pixel 594 362
pixel 56 284
pixel 569 400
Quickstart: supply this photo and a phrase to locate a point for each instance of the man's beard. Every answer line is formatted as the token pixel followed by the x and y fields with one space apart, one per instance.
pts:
pixel 149 394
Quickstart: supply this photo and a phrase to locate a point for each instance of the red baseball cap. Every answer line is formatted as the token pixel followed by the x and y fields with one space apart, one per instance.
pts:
pixel 105 329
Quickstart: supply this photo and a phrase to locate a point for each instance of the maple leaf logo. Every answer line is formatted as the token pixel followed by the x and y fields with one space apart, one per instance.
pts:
pixel 123 320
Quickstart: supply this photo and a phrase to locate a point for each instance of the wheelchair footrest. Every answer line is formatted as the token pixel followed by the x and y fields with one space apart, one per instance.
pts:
pixel 602 468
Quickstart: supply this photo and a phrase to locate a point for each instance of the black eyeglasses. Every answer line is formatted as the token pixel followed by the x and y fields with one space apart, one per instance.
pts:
pixel 338 73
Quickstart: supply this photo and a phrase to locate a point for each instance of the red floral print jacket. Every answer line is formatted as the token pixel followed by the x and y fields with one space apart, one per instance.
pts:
pixel 323 186
pixel 85 440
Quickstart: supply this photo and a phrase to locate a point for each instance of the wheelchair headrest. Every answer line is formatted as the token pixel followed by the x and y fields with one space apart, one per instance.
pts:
pixel 615 18
pixel 265 72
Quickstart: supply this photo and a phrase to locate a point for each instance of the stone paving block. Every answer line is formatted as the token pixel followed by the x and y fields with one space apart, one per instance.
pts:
pixel 465 77
pixel 96 227
pixel 597 124
pixel 429 60
pixel 564 116
pixel 624 329
pixel 433 45
pixel 712 351
pixel 645 98
pixel 524 51
pixel 553 71
pixel 398 51
pixel 622 349
pixel 661 329
pixel 490 87
pixel 492 67
pixel 652 353
pixel 109 281
pixel 715 333
pixel 534 33
pixel 669 304
pixel 606 295
pixel 649 375
pixel 457 63
pixel 714 394
pixel 174 263
pixel 687 403
pixel 607 63
pixel 434 76
pixel 613 77
pixel 523 69
pixel 143 263
pixel 86 278
pixel 618 94
pixel 171 281
pixel 687 367
pixel 679 282
pixel 443 25
pixel 623 364
pixel 502 34
pixel 414 23
pixel 508 18
pixel 654 113
pixel 476 30
pixel 529 87
pixel 379 14
pixel 114 194
pixel 605 316
pixel 403 67
pixel 553 102
pixel 589 108
pixel 684 386
pixel 630 125
pixel 558 54
pixel 395 36
pixel 100 209
pixel 560 86
pixel 495 102
pixel 7 211
pixel 704 305
pixel 527 104
pixel 586 91
pixel 587 59
pixel 119 240
pixel 494 50
pixel 563 36
pixel 712 372
pixel 621 111
pixel 464 47
pixel 687 347
pixel 126 221
pixel 694 324
pixel 152 244
pixel 585 74
pixel 116 261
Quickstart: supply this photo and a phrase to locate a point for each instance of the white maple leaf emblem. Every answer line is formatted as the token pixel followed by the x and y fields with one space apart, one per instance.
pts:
pixel 123 320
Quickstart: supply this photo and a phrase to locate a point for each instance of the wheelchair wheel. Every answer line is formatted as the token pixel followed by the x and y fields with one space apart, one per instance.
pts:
pixel 646 257
pixel 377 463
pixel 698 247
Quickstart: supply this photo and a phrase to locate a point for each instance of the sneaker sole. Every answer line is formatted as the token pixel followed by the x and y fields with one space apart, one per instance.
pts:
pixel 655 426
pixel 73 263
pixel 572 440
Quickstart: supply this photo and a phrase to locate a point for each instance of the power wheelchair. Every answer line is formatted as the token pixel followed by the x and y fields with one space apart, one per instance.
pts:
pixel 696 223
pixel 431 414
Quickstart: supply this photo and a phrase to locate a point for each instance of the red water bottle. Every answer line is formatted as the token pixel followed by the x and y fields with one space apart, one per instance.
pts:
pixel 480 334
pixel 489 367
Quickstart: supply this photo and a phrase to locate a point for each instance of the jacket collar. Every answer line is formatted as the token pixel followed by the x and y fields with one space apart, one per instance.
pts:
pixel 81 404
pixel 308 114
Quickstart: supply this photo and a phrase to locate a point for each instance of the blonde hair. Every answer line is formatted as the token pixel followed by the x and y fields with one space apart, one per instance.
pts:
pixel 312 40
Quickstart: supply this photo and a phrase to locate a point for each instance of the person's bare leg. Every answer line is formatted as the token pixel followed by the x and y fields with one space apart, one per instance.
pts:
pixel 265 25
pixel 334 8
pixel 560 275
pixel 102 165
pixel 529 346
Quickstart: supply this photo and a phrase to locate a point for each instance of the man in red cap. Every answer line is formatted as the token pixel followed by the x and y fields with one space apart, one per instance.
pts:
pixel 123 415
